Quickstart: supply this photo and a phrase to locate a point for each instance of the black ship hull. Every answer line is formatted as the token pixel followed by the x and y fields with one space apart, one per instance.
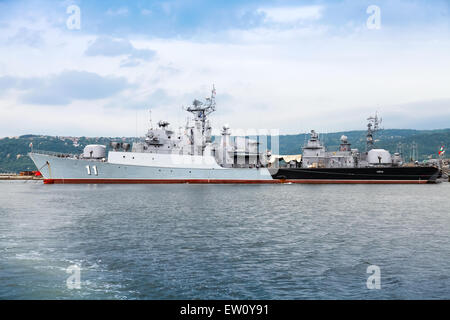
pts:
pixel 357 175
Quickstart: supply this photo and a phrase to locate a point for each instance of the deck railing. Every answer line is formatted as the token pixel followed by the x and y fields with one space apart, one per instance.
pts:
pixel 66 155
pixel 57 154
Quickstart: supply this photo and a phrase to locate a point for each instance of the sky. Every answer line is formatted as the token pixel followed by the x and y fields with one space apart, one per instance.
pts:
pixel 97 68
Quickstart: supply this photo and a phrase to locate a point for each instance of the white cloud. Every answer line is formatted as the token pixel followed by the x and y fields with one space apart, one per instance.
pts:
pixel 146 12
pixel 64 87
pixel 25 36
pixel 107 46
pixel 295 78
pixel 285 15
pixel 123 11
pixel 111 47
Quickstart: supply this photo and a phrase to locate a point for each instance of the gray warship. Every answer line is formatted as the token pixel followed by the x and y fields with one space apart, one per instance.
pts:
pixel 348 165
pixel 164 156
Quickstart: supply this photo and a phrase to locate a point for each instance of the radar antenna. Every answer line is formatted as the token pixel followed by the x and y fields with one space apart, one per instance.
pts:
pixel 201 110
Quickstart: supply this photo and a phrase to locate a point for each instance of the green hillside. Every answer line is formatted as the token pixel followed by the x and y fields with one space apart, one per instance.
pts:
pixel 13 150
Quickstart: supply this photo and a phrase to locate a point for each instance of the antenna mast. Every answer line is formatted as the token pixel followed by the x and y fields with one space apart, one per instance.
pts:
pixel 150 119
pixel 201 110
pixel 372 127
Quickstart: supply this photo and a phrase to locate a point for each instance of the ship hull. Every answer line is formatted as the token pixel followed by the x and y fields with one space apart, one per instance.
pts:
pixel 160 181
pixel 64 170
pixel 372 175
pixel 70 170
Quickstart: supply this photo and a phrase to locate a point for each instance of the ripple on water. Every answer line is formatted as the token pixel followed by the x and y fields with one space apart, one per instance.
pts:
pixel 223 241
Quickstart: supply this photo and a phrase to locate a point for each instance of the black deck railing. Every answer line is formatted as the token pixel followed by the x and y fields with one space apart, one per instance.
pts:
pixel 57 154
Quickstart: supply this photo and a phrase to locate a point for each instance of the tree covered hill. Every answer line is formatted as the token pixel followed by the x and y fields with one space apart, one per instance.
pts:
pixel 13 150
pixel 395 140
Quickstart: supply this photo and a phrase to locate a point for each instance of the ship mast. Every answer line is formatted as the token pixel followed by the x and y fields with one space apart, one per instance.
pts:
pixel 201 110
pixel 201 132
pixel 372 127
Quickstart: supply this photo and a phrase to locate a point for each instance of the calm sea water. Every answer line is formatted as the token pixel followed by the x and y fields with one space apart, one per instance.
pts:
pixel 224 241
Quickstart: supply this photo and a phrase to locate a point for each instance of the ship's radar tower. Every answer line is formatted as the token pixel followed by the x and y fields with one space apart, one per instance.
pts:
pixel 372 127
pixel 201 110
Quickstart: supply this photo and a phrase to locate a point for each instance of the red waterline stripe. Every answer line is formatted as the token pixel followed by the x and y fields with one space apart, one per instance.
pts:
pixel 319 181
pixel 225 181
